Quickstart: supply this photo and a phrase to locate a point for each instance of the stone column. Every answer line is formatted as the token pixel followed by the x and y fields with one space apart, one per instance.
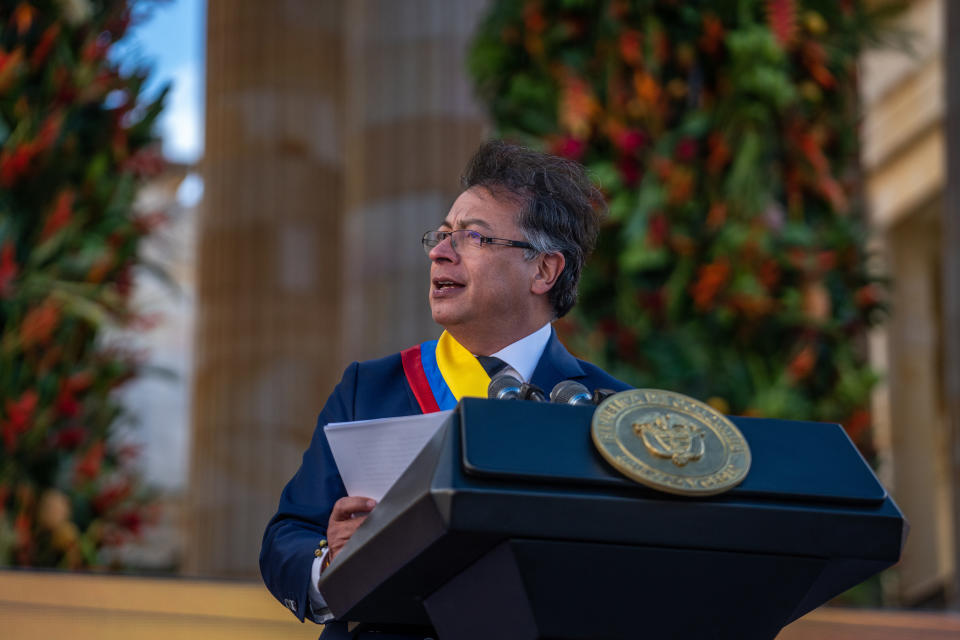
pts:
pixel 335 135
pixel 904 152
pixel 411 125
pixel 269 263
pixel 950 238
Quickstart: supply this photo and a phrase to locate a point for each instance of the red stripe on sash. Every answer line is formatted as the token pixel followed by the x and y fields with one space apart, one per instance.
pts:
pixel 413 368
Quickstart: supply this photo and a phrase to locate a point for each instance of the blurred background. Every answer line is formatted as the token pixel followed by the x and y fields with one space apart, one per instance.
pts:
pixel 209 209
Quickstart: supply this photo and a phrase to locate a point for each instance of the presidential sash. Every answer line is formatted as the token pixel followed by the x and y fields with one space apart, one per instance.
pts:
pixel 440 372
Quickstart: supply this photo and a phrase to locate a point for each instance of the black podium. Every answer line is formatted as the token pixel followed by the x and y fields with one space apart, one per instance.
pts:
pixel 510 525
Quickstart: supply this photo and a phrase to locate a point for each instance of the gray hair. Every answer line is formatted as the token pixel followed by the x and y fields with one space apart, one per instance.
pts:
pixel 561 209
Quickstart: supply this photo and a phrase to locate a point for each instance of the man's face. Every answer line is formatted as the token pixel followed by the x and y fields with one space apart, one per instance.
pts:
pixel 482 295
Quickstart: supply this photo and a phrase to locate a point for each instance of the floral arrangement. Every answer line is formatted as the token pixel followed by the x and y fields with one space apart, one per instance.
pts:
pixel 75 141
pixel 733 266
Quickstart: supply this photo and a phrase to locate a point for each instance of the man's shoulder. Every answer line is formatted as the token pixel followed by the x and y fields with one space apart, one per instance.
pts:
pixel 600 379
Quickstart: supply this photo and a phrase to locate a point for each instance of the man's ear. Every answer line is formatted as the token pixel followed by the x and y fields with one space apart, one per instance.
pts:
pixel 549 268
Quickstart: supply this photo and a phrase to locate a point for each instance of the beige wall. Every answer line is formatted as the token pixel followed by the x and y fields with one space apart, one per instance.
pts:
pixel 905 168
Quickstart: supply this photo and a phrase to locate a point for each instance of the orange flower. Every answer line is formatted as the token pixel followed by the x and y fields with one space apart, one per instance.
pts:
pixel 39 324
pixel 857 423
pixel 89 466
pixel 42 50
pixel 646 87
pixel 719 154
pixel 578 106
pixel 802 363
pixel 710 280
pixel 867 296
pixel 23 16
pixel 630 47
pixel 716 216
pixel 713 34
pixel 679 186
pixel 59 216
pixel 49 131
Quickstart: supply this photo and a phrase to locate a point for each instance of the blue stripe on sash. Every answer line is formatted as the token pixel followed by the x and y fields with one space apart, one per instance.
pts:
pixel 441 392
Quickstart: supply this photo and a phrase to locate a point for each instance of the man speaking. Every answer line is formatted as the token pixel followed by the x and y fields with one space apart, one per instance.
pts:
pixel 505 263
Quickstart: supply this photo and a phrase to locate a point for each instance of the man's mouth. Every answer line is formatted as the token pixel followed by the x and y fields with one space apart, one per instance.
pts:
pixel 443 284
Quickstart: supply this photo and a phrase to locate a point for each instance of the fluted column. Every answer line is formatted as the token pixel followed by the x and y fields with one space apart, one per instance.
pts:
pixel 411 124
pixel 269 257
pixel 335 134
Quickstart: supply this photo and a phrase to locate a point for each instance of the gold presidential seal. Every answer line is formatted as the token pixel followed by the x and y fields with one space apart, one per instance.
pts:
pixel 670 442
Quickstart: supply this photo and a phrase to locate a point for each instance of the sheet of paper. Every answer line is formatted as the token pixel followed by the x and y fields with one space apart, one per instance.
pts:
pixel 372 454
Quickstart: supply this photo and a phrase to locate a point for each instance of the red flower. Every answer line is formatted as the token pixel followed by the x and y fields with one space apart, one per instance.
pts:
pixel 629 170
pixel 70 438
pixel 94 49
pixel 713 34
pixel 19 416
pixel 630 47
pixel 719 154
pixel 629 140
pixel 42 50
pixel 657 229
pixel 111 496
pixel 717 215
pixel 49 131
pixel 867 296
pixel 66 404
pixel 60 216
pixel 686 150
pixel 802 363
pixel 20 411
pixel 147 162
pixel 8 269
pixel 769 273
pixel 89 466
pixel 9 63
pixel 533 18
pixel 39 324
pixel 857 423
pixel 15 164
pixel 782 18
pixel 132 521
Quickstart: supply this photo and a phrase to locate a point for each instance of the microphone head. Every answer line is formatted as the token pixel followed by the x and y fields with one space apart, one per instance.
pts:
pixel 505 386
pixel 571 392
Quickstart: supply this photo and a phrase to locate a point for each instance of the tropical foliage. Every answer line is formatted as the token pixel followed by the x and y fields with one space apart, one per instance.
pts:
pixel 75 141
pixel 733 266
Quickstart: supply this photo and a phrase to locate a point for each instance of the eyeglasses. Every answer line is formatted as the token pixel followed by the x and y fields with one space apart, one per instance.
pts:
pixel 466 239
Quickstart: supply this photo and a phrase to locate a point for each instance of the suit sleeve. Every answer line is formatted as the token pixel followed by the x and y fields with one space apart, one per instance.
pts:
pixel 291 537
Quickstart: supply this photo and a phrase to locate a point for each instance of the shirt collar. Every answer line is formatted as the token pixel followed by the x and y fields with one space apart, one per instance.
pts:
pixel 524 354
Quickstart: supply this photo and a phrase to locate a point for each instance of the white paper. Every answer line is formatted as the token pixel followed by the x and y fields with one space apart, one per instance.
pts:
pixel 372 454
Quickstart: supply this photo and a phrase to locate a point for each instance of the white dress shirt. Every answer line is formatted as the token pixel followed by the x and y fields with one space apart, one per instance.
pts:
pixel 523 355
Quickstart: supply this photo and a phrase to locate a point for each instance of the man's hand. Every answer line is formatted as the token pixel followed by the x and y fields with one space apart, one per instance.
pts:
pixel 348 514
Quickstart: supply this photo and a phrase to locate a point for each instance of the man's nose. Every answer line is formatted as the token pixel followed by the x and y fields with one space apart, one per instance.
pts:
pixel 444 251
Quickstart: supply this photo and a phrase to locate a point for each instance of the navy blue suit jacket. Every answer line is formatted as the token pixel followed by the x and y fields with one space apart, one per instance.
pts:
pixel 372 389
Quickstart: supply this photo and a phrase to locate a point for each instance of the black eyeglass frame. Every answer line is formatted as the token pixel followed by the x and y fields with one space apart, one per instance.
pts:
pixel 439 236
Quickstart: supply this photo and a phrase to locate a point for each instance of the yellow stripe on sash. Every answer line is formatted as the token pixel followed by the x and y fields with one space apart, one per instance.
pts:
pixel 460 369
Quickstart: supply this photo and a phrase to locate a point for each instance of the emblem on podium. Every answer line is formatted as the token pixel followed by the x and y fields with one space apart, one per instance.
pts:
pixel 670 442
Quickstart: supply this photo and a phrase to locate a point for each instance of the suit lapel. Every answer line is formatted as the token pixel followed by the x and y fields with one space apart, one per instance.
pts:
pixel 555 364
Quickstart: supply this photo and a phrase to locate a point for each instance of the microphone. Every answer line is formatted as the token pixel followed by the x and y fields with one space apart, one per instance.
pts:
pixel 506 385
pixel 571 392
